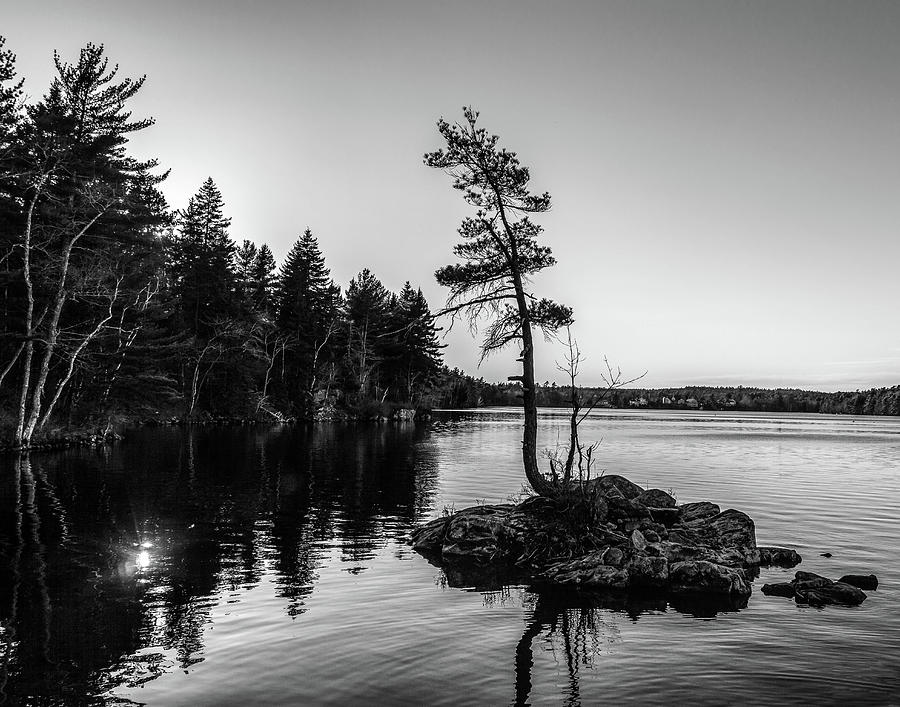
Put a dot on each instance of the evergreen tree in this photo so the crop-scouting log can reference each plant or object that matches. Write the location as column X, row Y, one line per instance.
column 244, row 255
column 307, row 312
column 499, row 253
column 262, row 281
column 85, row 237
column 202, row 260
column 413, row 351
column 366, row 308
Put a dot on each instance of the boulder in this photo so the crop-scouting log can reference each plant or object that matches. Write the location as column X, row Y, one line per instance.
column 613, row 556
column 834, row 593
column 430, row 537
column 816, row 590
column 779, row 556
column 804, row 581
column 477, row 533
column 608, row 484
column 692, row 512
column 638, row 541
column 701, row 576
column 655, row 498
column 623, row 511
column 779, row 589
column 862, row 581
column 646, row 571
column 665, row 516
column 734, row 534
column 676, row 552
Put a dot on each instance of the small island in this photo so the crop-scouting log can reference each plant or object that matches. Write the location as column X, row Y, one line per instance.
column 610, row 535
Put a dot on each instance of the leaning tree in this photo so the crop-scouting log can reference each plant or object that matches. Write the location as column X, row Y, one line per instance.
column 498, row 254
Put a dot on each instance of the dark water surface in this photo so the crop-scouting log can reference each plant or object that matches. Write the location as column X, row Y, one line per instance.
column 268, row 565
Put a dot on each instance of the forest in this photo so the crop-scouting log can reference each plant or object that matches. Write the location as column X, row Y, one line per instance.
column 116, row 307
column 876, row 401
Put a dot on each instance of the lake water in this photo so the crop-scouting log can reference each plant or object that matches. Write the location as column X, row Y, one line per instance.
column 268, row 565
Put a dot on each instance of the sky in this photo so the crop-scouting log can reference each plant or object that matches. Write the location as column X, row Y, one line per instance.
column 725, row 174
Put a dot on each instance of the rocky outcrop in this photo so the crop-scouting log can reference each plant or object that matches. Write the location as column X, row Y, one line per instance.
column 815, row 590
column 610, row 535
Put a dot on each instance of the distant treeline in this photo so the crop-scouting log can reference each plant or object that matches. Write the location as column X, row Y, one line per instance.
column 877, row 401
column 113, row 306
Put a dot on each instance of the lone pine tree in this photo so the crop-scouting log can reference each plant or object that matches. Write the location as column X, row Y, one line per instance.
column 499, row 252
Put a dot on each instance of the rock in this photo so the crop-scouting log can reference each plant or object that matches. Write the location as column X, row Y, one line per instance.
column 779, row 556
column 734, row 533
column 779, row 589
column 609, row 537
column 477, row 533
column 655, row 498
column 623, row 510
column 707, row 577
column 638, row 541
column 804, row 581
column 648, row 571
column 430, row 537
column 692, row 512
column 676, row 552
column 834, row 593
column 666, row 516
column 613, row 556
column 589, row 572
column 863, row 581
column 607, row 482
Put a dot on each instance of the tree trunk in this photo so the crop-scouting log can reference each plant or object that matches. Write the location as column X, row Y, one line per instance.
column 537, row 481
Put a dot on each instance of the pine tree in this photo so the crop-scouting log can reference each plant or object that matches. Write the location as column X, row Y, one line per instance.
column 87, row 225
column 262, row 281
column 367, row 305
column 499, row 253
column 203, row 261
column 413, row 351
column 307, row 304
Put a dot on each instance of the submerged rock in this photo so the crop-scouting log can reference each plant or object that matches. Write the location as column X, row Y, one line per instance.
column 834, row 593
column 816, row 590
column 779, row 589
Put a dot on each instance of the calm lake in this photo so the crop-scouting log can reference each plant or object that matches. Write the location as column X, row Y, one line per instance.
column 268, row 565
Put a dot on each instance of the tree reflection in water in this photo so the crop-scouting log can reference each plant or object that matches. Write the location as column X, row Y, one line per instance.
column 107, row 553
column 576, row 627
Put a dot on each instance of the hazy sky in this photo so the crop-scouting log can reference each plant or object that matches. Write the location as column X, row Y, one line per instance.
column 725, row 174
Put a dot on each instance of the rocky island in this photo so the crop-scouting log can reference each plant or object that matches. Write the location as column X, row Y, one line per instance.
column 609, row 534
